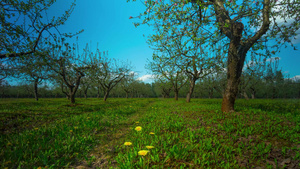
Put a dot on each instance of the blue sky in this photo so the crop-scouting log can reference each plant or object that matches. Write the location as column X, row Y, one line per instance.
column 107, row 22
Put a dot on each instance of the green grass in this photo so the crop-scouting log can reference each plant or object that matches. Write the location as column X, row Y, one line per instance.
column 52, row 133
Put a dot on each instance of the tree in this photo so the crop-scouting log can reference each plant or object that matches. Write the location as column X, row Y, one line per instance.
column 34, row 70
column 251, row 78
column 127, row 82
column 189, row 51
column 69, row 66
column 23, row 26
column 165, row 86
column 163, row 67
column 247, row 25
column 85, row 84
column 108, row 72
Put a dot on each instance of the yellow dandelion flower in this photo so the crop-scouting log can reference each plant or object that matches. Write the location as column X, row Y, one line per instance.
column 39, row 168
column 137, row 122
column 151, row 133
column 127, row 143
column 149, row 147
column 36, row 128
column 143, row 152
column 71, row 131
column 138, row 128
column 75, row 127
column 88, row 117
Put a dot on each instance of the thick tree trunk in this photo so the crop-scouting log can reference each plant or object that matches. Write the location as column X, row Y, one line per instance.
column 36, row 90
column 189, row 94
column 72, row 97
column 234, row 71
column 235, row 63
column 106, row 95
column 176, row 94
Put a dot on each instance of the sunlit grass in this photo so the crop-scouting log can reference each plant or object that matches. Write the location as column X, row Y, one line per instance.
column 149, row 133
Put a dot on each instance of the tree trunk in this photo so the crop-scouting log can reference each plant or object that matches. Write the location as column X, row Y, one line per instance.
column 72, row 97
column 106, row 95
column 234, row 70
column 210, row 93
column 253, row 94
column 126, row 95
column 245, row 95
column 176, row 94
column 36, row 90
column 98, row 92
column 189, row 94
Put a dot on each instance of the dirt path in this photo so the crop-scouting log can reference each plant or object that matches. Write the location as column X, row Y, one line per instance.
column 102, row 155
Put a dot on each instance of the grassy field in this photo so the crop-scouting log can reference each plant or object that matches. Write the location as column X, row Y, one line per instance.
column 51, row 133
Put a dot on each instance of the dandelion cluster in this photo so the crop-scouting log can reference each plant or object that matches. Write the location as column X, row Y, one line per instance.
column 141, row 152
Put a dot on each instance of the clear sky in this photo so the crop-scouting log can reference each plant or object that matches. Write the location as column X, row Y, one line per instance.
column 107, row 22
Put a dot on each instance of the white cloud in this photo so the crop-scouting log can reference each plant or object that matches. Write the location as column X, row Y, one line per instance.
column 146, row 78
column 297, row 77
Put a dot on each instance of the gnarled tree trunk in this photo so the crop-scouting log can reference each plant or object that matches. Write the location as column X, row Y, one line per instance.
column 189, row 94
column 235, row 65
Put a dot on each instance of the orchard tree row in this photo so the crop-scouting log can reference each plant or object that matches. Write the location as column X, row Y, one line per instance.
column 34, row 51
column 264, row 82
column 194, row 40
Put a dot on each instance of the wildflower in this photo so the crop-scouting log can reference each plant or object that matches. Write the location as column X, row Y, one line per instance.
column 151, row 133
column 36, row 128
column 143, row 152
column 138, row 128
column 88, row 117
column 39, row 168
column 127, row 143
column 149, row 147
column 71, row 131
column 137, row 122
column 75, row 128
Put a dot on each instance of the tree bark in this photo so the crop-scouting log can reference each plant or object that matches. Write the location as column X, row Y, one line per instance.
column 189, row 94
column 245, row 95
column 235, row 65
column 106, row 95
column 36, row 90
column 72, row 97
column 176, row 94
